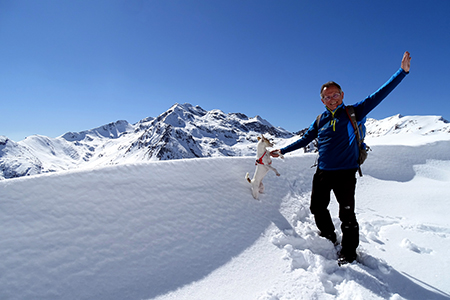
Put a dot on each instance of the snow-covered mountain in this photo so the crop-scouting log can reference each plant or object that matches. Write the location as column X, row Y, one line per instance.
column 407, row 130
column 183, row 131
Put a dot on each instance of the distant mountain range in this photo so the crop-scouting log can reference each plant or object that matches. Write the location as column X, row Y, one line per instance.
column 183, row 131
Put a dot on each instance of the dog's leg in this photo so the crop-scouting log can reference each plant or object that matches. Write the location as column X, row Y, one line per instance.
column 261, row 188
column 255, row 192
column 273, row 169
column 260, row 172
column 255, row 188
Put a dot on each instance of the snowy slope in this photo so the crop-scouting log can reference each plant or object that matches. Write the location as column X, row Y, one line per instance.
column 190, row 229
column 409, row 130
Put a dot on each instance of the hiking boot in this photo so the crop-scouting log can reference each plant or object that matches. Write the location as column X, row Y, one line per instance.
column 346, row 258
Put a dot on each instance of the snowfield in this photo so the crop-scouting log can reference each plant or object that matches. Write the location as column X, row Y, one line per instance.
column 190, row 229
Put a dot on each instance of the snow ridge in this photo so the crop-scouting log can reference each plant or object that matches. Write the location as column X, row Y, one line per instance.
column 153, row 231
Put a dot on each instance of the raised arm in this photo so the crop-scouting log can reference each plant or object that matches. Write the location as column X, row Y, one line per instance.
column 406, row 62
column 367, row 105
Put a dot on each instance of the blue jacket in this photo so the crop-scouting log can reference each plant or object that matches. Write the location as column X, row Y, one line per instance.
column 338, row 149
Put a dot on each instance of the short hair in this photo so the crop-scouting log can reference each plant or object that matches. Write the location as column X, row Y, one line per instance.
column 328, row 84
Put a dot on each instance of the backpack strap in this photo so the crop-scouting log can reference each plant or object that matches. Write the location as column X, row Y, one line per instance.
column 352, row 116
column 318, row 120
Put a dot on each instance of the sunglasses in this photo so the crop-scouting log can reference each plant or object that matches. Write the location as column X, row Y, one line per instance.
column 334, row 96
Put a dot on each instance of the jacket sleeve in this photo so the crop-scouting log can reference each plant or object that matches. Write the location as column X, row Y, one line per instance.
column 365, row 106
column 307, row 138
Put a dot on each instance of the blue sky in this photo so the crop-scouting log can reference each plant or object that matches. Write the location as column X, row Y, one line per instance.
column 75, row 65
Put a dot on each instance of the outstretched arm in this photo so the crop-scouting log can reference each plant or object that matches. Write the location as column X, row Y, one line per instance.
column 406, row 62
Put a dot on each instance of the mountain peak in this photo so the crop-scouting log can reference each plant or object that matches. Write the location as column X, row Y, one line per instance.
column 3, row 140
column 111, row 130
column 185, row 131
column 179, row 114
column 187, row 108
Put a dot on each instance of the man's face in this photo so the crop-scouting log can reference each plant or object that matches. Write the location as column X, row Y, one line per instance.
column 332, row 97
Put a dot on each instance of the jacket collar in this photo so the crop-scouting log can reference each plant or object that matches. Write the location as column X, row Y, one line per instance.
column 332, row 112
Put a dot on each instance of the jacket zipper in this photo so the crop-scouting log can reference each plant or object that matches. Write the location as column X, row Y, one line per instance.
column 333, row 120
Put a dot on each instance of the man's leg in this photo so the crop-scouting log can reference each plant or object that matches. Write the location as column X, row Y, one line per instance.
column 344, row 189
column 320, row 199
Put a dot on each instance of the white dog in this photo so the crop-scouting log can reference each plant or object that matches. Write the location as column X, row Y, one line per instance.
column 263, row 165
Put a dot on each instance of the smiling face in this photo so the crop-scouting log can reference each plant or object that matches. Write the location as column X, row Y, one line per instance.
column 332, row 97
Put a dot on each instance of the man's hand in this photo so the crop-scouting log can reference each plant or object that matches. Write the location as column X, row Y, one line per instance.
column 276, row 153
column 406, row 62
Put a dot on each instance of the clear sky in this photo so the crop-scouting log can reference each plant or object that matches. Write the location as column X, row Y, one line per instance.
column 75, row 65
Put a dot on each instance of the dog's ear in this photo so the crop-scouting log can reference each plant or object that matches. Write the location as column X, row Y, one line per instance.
column 259, row 138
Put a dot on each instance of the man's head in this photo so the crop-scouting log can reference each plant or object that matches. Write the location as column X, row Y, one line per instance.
column 331, row 95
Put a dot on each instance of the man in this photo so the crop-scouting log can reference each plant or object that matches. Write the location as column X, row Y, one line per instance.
column 337, row 162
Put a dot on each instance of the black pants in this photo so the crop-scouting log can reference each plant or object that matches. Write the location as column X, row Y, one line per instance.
column 343, row 184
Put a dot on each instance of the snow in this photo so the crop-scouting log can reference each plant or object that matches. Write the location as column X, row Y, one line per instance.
column 407, row 130
column 190, row 229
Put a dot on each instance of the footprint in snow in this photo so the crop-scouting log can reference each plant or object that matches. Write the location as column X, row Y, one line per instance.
column 407, row 244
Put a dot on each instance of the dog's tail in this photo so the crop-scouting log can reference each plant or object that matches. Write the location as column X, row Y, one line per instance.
column 247, row 176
